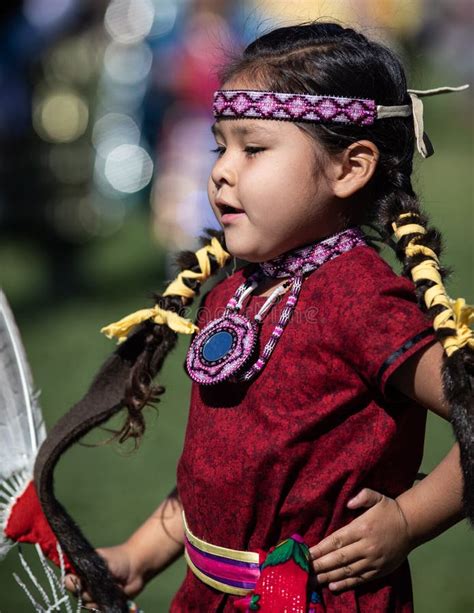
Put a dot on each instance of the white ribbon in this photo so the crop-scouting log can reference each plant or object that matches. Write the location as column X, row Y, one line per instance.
column 423, row 143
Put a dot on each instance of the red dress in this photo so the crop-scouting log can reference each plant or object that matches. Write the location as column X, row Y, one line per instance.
column 284, row 453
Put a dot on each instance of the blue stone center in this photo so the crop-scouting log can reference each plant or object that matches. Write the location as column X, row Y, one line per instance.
column 216, row 347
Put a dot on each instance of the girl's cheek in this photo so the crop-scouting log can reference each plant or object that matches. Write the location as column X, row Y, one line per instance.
column 211, row 191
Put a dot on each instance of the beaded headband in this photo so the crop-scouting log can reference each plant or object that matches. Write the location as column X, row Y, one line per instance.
column 254, row 104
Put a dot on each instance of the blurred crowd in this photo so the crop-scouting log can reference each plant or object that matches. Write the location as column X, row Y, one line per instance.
column 105, row 106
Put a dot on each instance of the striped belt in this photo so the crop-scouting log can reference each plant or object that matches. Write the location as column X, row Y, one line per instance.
column 228, row 570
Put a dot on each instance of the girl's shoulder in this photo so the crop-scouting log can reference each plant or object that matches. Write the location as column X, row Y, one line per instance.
column 364, row 259
column 362, row 271
column 370, row 313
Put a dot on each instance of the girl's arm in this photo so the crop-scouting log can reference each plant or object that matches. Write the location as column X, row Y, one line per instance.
column 155, row 545
column 378, row 541
column 159, row 541
column 434, row 504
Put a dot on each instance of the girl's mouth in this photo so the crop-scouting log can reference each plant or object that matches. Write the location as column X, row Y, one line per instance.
column 229, row 213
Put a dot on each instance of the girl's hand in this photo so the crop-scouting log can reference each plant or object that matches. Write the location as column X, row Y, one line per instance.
column 121, row 567
column 372, row 545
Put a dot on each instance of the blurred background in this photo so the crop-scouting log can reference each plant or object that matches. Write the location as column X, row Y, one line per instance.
column 104, row 157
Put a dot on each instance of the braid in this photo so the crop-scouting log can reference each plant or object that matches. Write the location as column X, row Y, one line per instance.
column 160, row 338
column 125, row 379
column 397, row 198
column 418, row 247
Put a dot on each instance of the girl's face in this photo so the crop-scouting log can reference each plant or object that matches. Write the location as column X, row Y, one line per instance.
column 266, row 170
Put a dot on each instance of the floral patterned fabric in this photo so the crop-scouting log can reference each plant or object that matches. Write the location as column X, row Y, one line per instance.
column 284, row 453
column 283, row 581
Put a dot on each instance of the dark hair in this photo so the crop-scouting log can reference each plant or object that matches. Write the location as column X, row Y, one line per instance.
column 314, row 58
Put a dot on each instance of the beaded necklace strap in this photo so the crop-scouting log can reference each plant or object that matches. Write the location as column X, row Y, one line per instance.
column 299, row 262
column 277, row 331
column 309, row 257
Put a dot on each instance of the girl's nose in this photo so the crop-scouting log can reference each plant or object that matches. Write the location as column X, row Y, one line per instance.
column 223, row 172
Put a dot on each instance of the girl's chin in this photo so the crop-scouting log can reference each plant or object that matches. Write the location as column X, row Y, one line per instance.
column 251, row 250
column 243, row 254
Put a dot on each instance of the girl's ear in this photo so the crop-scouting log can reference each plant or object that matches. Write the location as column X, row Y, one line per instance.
column 354, row 167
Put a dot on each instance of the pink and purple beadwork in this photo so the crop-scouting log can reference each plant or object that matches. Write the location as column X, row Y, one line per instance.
column 311, row 257
column 222, row 348
column 233, row 103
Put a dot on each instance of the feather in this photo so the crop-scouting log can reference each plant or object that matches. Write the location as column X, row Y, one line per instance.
column 22, row 428
column 59, row 598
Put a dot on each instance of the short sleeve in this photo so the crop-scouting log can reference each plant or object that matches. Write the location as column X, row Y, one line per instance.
column 382, row 324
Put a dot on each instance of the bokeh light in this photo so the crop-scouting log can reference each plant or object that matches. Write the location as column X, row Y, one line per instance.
column 129, row 21
column 166, row 12
column 128, row 168
column 61, row 116
column 127, row 64
column 73, row 60
column 112, row 130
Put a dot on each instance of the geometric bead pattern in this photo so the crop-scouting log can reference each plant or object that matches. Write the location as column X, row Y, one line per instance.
column 310, row 257
column 293, row 107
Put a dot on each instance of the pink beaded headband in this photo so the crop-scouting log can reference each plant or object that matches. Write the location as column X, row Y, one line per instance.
column 254, row 104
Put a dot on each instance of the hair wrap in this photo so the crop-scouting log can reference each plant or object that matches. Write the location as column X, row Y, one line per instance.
column 456, row 316
column 412, row 250
column 122, row 328
column 412, row 228
column 179, row 288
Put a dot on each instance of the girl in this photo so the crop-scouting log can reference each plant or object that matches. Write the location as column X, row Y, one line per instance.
column 314, row 364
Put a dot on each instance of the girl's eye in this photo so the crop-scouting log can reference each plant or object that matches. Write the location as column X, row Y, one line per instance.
column 251, row 151
column 218, row 150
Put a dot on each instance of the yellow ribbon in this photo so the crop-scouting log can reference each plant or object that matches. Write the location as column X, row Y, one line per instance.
column 412, row 249
column 410, row 228
column 456, row 314
column 121, row 329
column 463, row 317
column 179, row 288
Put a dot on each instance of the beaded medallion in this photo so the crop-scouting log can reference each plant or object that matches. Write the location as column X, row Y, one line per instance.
column 224, row 346
column 224, row 350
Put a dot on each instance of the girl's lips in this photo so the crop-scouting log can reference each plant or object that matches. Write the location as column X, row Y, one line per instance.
column 230, row 217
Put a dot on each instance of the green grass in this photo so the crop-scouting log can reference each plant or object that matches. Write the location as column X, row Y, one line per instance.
column 110, row 494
